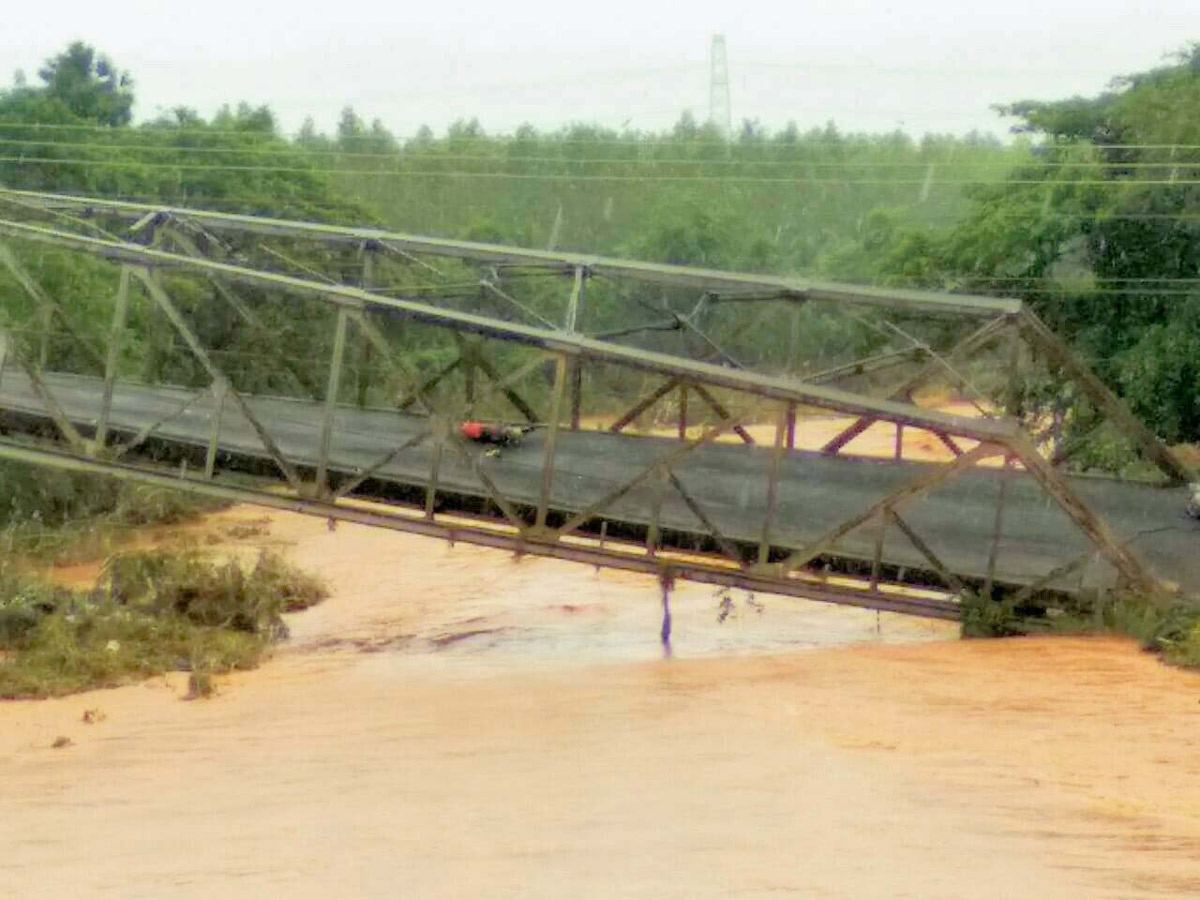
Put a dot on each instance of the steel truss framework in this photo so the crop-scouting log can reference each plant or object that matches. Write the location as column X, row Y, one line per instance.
column 541, row 522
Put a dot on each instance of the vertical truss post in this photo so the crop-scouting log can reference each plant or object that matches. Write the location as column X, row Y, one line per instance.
column 112, row 362
column 3, row 354
column 365, row 349
column 1014, row 367
column 683, row 411
column 434, row 467
column 560, row 386
column 764, row 544
column 220, row 387
column 47, row 325
column 791, row 426
column 880, row 536
column 469, row 377
column 654, row 531
column 575, row 310
column 898, row 454
column 998, row 527
column 332, row 390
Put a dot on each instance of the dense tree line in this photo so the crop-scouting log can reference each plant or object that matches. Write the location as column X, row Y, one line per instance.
column 1091, row 217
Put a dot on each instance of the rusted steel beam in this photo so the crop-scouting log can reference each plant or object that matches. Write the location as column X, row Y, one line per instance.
column 728, row 547
column 997, row 527
column 219, row 389
column 950, row 443
column 417, row 391
column 370, row 471
column 493, row 492
column 973, row 343
column 1093, row 527
column 1104, row 399
column 428, row 384
column 245, row 313
column 551, row 442
column 644, row 404
column 503, row 295
column 764, row 544
column 719, row 408
column 11, row 349
column 665, row 463
column 145, row 434
column 513, row 377
column 1066, row 569
column 112, row 361
column 867, row 366
column 913, row 489
column 575, row 311
column 712, row 375
column 50, row 308
column 880, row 537
column 435, row 466
column 522, row 406
column 692, row 568
column 331, row 399
column 710, row 280
column 189, row 337
column 925, row 550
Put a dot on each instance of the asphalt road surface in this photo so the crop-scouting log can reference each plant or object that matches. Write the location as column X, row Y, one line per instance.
column 729, row 481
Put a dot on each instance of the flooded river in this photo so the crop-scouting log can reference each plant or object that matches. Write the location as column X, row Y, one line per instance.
column 452, row 723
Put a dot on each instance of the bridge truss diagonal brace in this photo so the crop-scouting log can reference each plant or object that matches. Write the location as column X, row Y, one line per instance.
column 972, row 343
column 472, row 356
column 787, row 389
column 1108, row 402
column 48, row 304
column 418, row 393
column 662, row 465
column 696, row 571
column 906, row 492
column 1086, row 520
column 156, row 292
column 239, row 306
column 9, row 347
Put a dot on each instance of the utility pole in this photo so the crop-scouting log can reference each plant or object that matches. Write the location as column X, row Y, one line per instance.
column 720, row 112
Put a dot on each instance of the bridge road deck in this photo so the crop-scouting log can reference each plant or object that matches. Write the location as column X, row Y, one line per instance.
column 729, row 480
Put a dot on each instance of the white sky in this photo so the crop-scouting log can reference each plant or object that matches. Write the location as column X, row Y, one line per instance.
column 925, row 65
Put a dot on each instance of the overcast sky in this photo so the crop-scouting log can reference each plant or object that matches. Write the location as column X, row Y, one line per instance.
column 924, row 65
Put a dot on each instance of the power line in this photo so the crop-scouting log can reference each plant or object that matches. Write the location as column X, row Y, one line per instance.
column 547, row 176
column 777, row 137
column 400, row 155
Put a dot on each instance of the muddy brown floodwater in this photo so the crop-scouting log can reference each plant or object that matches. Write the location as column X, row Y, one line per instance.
column 452, row 723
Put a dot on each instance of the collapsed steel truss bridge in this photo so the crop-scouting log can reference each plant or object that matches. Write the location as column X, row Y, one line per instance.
column 370, row 346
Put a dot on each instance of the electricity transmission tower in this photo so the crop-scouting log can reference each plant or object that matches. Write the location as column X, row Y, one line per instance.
column 720, row 113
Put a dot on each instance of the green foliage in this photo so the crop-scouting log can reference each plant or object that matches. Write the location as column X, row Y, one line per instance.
column 152, row 612
column 55, row 516
column 989, row 617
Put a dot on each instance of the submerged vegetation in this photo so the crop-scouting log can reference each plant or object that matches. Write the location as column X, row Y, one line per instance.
column 1167, row 626
column 151, row 612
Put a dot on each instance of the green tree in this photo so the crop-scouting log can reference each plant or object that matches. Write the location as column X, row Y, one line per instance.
column 90, row 86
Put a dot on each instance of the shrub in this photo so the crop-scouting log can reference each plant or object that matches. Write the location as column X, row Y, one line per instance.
column 153, row 611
